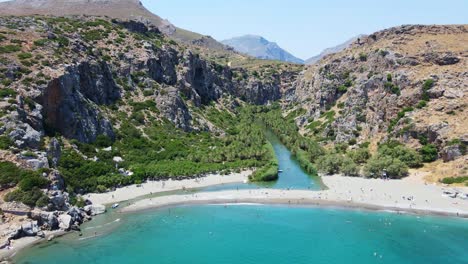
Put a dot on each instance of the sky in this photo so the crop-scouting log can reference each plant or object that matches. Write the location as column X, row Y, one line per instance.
column 305, row 27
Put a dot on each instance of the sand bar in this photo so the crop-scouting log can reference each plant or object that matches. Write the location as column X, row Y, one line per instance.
column 396, row 195
column 152, row 187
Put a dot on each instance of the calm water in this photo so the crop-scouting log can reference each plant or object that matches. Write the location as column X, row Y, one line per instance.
column 265, row 234
column 260, row 234
column 292, row 177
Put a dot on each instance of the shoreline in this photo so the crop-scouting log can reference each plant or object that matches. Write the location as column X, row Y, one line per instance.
column 341, row 192
column 27, row 242
column 128, row 193
column 375, row 194
column 296, row 203
column 154, row 187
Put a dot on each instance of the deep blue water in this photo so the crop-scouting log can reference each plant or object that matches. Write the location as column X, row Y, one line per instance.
column 265, row 234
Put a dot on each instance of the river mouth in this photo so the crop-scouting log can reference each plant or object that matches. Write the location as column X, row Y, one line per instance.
column 252, row 233
column 291, row 175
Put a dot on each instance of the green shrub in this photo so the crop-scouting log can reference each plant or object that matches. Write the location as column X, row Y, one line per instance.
column 342, row 89
column 103, row 141
column 24, row 55
column 389, row 77
column 362, row 56
column 93, row 35
column 359, row 156
column 5, row 142
column 41, row 42
column 395, row 168
column 421, row 104
column 397, row 151
column 32, row 198
column 452, row 180
column 429, row 153
column 9, row 48
column 7, row 93
column 334, row 163
column 28, row 183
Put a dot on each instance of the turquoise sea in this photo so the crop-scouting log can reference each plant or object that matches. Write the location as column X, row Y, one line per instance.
column 217, row 234
column 265, row 234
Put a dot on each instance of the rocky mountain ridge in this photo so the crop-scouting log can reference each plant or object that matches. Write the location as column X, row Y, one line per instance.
column 406, row 83
column 332, row 50
column 261, row 48
column 84, row 88
column 118, row 9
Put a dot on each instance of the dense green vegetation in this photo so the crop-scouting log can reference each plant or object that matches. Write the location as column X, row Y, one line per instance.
column 305, row 149
column 452, row 180
column 29, row 185
column 269, row 172
column 393, row 157
column 159, row 150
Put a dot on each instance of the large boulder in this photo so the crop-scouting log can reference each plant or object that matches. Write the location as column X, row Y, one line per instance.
column 95, row 209
column 65, row 222
column 30, row 228
column 47, row 220
column 59, row 201
column 452, row 152
column 23, row 135
column 77, row 215
column 35, row 162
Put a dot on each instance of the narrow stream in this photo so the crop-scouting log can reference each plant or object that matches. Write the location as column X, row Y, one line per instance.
column 292, row 176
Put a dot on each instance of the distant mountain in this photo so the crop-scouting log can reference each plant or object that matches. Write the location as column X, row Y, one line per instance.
column 261, row 48
column 119, row 9
column 332, row 50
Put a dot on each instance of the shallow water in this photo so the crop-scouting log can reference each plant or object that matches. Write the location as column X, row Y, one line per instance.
column 259, row 234
column 265, row 234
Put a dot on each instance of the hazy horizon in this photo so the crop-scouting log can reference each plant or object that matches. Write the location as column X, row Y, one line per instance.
column 303, row 28
column 327, row 24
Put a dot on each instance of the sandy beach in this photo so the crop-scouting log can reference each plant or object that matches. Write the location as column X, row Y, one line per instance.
column 152, row 187
column 396, row 195
column 25, row 242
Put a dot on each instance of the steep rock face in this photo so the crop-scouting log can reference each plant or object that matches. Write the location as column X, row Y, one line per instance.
column 131, row 61
column 162, row 69
column 201, row 81
column 96, row 82
column 377, row 89
column 174, row 108
column 68, row 102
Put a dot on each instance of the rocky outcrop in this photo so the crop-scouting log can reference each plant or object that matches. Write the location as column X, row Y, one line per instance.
column 69, row 102
column 174, row 108
column 58, row 200
column 95, row 209
column 65, row 221
column 162, row 69
column 54, row 152
column 46, row 220
column 373, row 90
column 56, row 182
column 96, row 82
column 201, row 81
